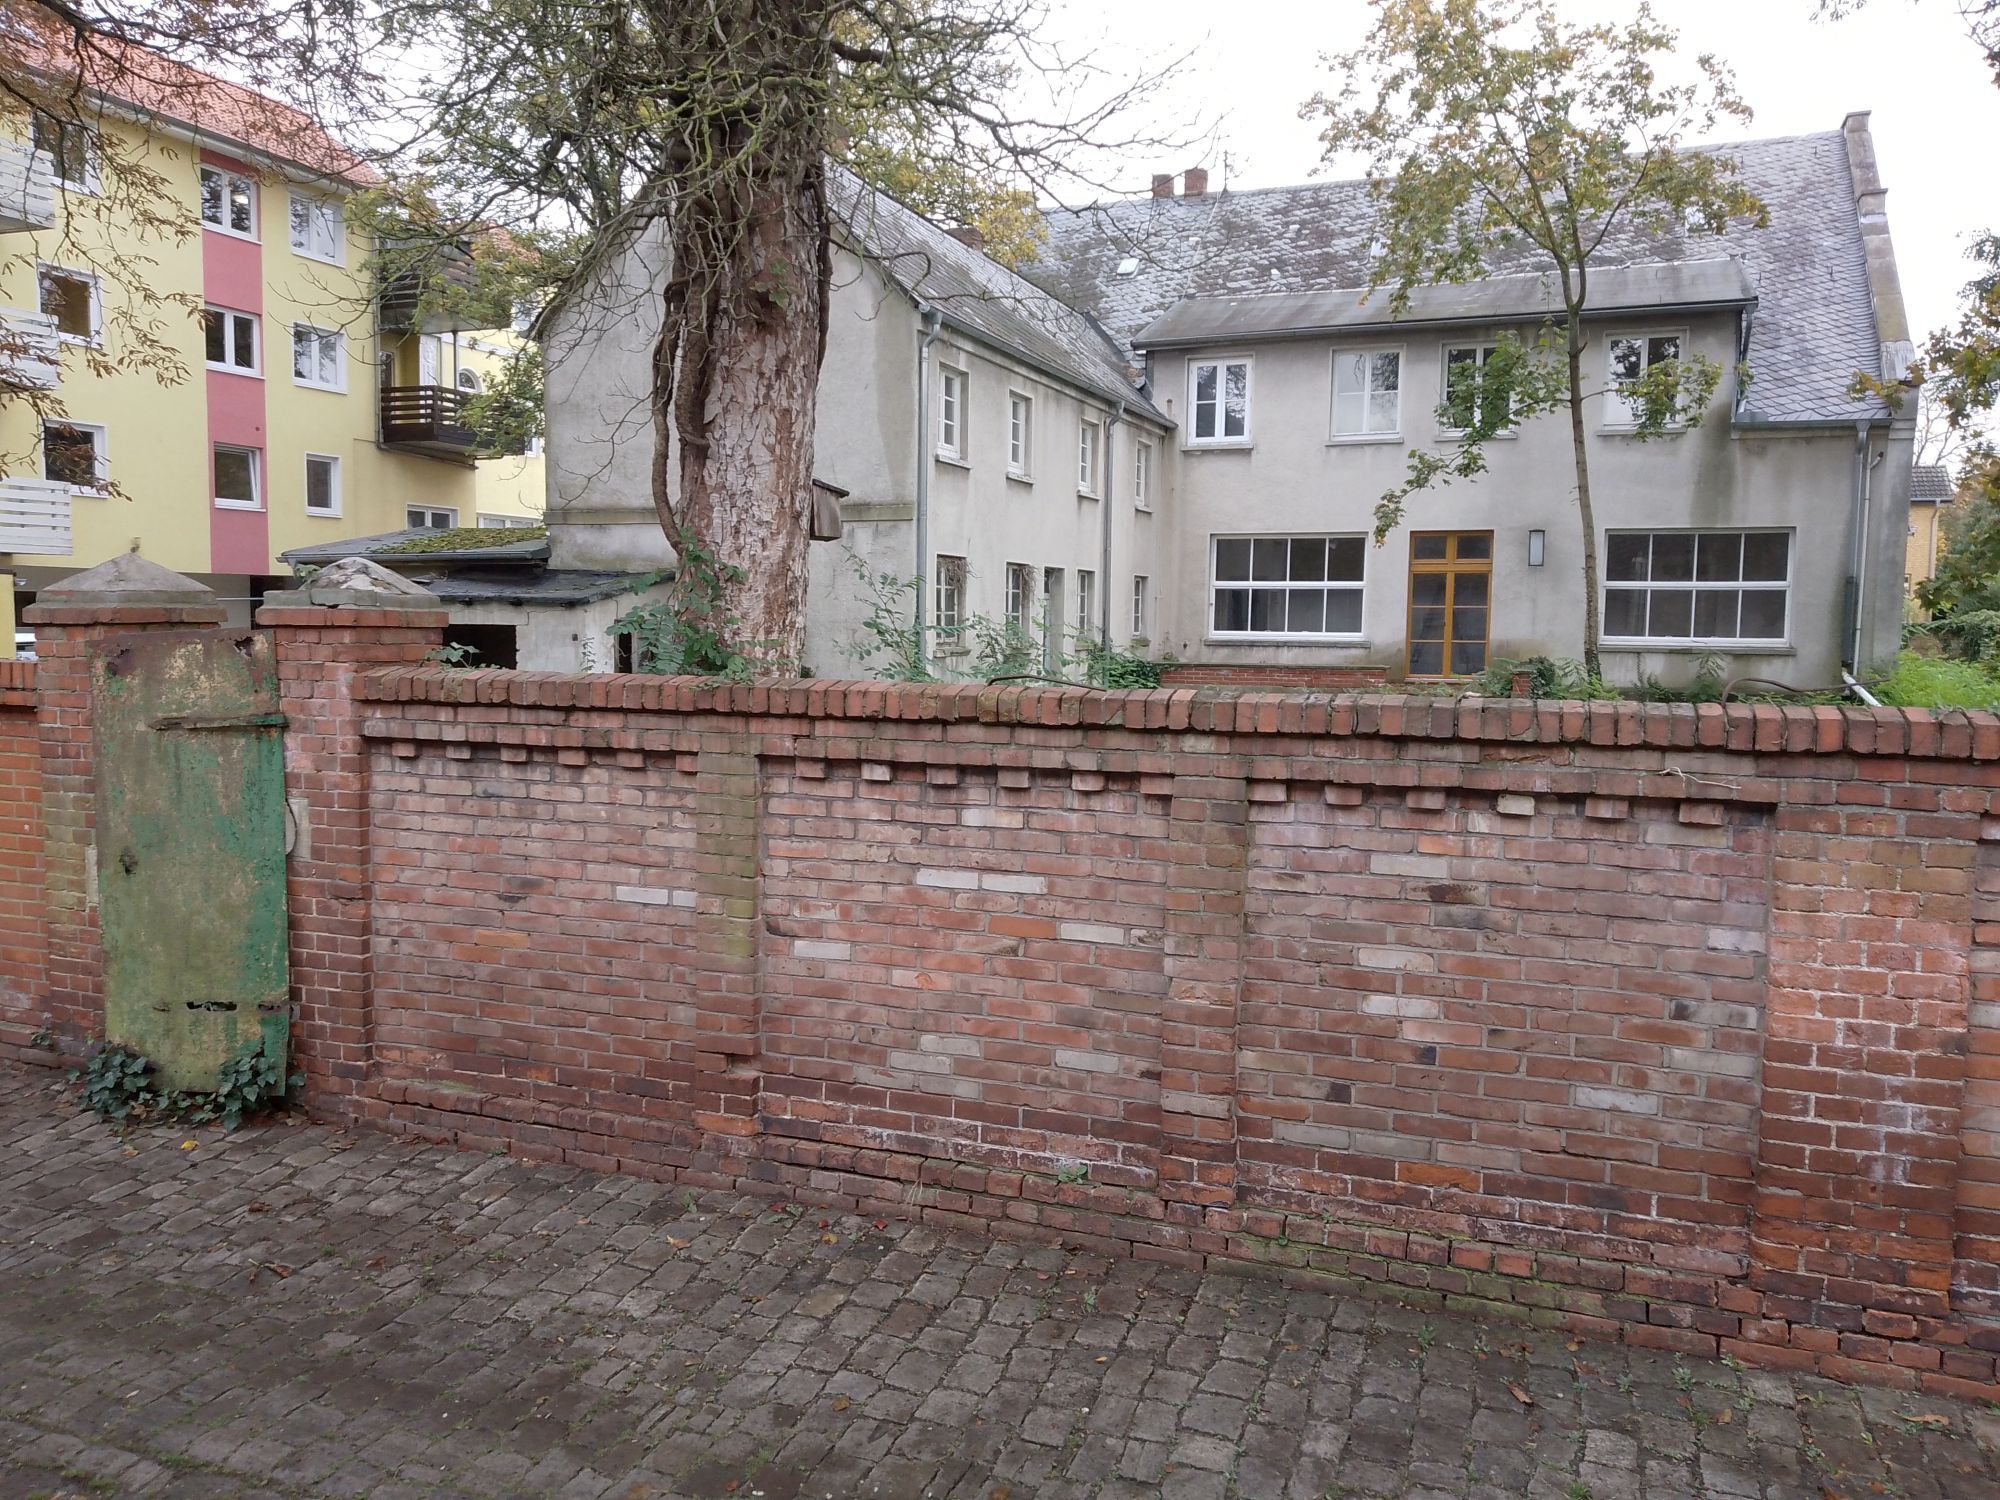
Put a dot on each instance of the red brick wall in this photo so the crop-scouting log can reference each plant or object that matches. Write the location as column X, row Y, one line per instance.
column 21, row 936
column 1664, row 1023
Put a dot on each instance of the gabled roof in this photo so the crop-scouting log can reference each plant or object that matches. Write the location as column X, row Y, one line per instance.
column 980, row 298
column 1813, row 328
column 1681, row 286
column 1929, row 484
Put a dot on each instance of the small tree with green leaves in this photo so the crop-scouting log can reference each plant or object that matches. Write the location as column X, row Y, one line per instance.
column 1490, row 125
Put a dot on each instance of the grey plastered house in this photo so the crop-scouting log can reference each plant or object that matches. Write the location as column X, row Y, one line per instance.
column 1174, row 430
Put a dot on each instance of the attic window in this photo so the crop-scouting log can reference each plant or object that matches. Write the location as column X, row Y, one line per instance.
column 1129, row 266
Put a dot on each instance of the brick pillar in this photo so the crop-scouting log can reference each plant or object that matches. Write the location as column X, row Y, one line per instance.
column 728, row 848
column 1205, row 898
column 75, row 622
column 1863, row 1075
column 321, row 650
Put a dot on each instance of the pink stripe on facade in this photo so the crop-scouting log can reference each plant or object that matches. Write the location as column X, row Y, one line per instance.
column 232, row 276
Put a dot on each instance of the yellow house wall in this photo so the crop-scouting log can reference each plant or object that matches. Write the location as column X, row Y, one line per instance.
column 157, row 431
column 1925, row 546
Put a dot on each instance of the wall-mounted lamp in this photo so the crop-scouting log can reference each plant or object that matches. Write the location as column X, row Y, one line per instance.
column 1538, row 542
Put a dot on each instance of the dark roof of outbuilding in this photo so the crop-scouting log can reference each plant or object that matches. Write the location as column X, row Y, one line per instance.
column 981, row 298
column 392, row 548
column 1813, row 328
column 1930, row 482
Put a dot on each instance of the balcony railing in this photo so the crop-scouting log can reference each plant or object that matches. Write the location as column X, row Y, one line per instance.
column 27, row 189
column 35, row 517
column 427, row 419
column 30, row 351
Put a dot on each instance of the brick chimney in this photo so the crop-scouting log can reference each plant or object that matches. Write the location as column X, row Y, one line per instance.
column 1195, row 183
column 965, row 234
column 1163, row 184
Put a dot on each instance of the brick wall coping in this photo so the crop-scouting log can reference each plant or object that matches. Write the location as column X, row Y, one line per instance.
column 1754, row 728
column 113, row 615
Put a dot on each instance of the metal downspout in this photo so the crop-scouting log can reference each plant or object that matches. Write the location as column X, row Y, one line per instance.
column 1104, row 556
column 1857, row 526
column 933, row 326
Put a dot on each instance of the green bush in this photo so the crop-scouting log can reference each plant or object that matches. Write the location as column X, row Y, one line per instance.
column 1938, row 682
column 1548, row 677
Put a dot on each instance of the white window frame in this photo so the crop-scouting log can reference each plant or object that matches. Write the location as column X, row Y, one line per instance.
column 1619, row 415
column 95, row 338
column 1368, row 354
column 326, row 458
column 100, row 451
column 430, row 510
column 1020, row 435
column 256, row 502
column 1483, row 351
column 1142, row 475
column 1019, row 600
column 1220, row 364
column 951, row 414
column 1141, row 589
column 227, row 366
column 228, row 178
column 948, row 581
column 1738, row 585
column 1358, row 586
column 317, row 334
column 90, row 182
column 488, row 521
column 1089, row 456
column 326, row 214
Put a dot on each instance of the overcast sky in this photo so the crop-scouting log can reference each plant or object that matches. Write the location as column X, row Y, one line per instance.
column 1936, row 110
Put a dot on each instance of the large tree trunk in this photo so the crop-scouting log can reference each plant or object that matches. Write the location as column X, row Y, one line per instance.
column 1586, row 517
column 736, row 368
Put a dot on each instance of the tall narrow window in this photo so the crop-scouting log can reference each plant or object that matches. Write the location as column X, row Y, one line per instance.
column 238, row 485
column 1630, row 356
column 1140, row 587
column 1466, row 396
column 322, row 484
column 950, row 610
column 70, row 298
column 319, row 229
column 319, row 357
column 1089, row 436
column 1020, row 595
column 1142, row 475
column 1451, row 589
column 1219, row 401
column 230, row 340
column 71, row 147
column 1020, row 434
column 229, row 202
column 1367, row 393
column 1086, row 602
column 951, row 413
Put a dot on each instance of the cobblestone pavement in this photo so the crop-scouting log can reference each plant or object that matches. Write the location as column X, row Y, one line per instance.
column 295, row 1311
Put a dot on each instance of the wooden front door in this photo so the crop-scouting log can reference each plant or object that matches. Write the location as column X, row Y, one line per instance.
column 1451, row 587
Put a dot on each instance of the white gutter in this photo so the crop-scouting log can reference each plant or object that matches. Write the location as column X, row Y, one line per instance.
column 1857, row 545
column 933, row 326
column 1847, row 681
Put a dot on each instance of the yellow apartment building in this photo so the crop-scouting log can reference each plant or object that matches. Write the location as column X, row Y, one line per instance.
column 311, row 408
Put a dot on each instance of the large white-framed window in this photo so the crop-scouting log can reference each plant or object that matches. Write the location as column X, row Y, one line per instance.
column 319, row 357
column 1628, row 356
column 1367, row 393
column 490, row 522
column 1218, row 402
column 75, row 454
column 319, row 229
column 1086, row 602
column 1141, row 601
column 71, row 147
column 948, row 610
column 1286, row 586
column 431, row 517
column 1142, row 475
column 322, row 484
column 1697, row 587
column 1020, row 435
column 239, row 479
column 1466, row 398
column 230, row 340
column 229, row 202
column 73, row 300
column 951, row 414
column 1089, row 455
column 1020, row 595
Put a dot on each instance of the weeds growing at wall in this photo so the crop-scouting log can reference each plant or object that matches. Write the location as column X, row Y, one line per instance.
column 691, row 633
column 119, row 1087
